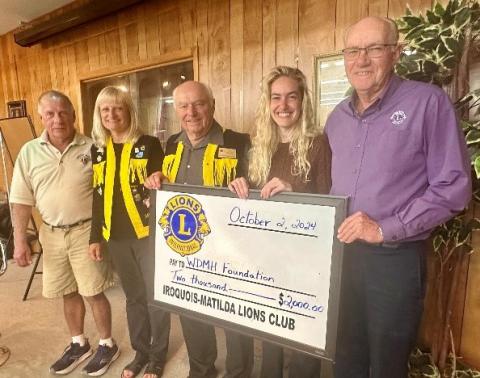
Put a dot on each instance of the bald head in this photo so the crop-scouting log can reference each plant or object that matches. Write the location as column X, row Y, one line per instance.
column 194, row 86
column 387, row 29
column 195, row 106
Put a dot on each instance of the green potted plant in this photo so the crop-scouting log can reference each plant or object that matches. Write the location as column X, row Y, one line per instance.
column 438, row 50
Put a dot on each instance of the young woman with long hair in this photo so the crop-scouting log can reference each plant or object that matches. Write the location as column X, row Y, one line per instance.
column 289, row 153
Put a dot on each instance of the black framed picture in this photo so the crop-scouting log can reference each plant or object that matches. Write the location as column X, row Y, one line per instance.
column 16, row 109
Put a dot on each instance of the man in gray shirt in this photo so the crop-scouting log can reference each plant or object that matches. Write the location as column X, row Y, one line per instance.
column 193, row 157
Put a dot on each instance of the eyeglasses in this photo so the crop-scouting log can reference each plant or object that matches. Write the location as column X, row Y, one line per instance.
column 374, row 51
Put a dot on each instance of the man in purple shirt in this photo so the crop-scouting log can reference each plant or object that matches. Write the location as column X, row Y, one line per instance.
column 400, row 157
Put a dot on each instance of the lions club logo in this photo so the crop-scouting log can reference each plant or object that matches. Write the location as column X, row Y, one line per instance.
column 184, row 224
column 398, row 117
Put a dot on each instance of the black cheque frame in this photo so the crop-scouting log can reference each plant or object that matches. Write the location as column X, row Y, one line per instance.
column 340, row 205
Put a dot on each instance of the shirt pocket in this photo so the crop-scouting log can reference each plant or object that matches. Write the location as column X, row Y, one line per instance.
column 399, row 147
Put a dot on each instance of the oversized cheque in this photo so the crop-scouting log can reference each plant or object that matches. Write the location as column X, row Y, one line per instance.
column 267, row 268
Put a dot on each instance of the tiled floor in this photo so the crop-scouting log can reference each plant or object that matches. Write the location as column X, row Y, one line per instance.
column 36, row 333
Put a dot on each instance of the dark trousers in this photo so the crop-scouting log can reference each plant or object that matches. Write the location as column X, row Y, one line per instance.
column 239, row 362
column 380, row 309
column 148, row 326
column 202, row 350
column 301, row 365
column 201, row 347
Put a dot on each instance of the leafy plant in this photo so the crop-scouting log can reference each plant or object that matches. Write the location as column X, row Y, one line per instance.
column 420, row 366
column 438, row 48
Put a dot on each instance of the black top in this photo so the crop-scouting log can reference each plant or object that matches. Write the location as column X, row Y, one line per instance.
column 121, row 226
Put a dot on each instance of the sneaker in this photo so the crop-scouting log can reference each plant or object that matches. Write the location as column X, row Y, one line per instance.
column 102, row 360
column 72, row 356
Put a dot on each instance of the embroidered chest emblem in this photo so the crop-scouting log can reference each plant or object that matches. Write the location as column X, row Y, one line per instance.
column 398, row 117
column 84, row 158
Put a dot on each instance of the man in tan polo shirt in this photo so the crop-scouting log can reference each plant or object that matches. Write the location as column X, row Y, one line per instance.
column 54, row 173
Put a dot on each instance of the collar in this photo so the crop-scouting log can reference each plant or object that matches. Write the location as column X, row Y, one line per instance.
column 78, row 139
column 214, row 136
column 387, row 93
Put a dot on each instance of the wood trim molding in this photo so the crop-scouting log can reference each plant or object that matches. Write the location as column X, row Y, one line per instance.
column 168, row 58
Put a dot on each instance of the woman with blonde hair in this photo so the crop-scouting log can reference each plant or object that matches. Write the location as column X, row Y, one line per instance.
column 122, row 157
column 288, row 153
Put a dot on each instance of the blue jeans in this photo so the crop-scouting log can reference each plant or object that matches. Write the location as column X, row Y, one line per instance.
column 380, row 309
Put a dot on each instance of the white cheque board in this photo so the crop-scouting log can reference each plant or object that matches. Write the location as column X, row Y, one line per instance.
column 265, row 268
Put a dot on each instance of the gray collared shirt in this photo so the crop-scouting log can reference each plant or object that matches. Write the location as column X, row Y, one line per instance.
column 191, row 165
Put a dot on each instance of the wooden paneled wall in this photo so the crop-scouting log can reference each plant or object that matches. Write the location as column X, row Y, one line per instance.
column 233, row 44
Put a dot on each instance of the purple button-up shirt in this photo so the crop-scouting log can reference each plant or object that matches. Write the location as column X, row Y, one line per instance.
column 403, row 161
